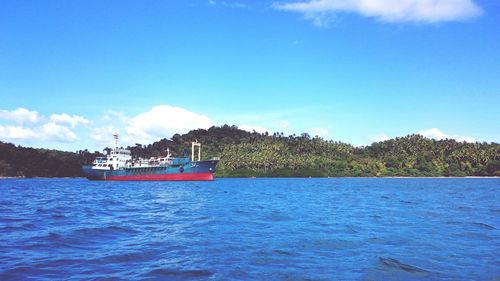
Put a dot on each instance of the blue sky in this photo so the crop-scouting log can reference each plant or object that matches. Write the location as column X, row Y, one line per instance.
column 71, row 72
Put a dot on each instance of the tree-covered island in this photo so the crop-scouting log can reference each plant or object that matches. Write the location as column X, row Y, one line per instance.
column 246, row 154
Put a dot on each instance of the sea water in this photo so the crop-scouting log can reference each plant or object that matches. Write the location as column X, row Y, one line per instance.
column 251, row 229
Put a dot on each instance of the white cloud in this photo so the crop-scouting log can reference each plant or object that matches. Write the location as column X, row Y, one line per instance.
column 54, row 132
column 249, row 128
column 104, row 135
column 379, row 138
column 114, row 116
column 320, row 132
column 46, row 132
column 163, row 121
column 69, row 120
column 435, row 133
column 421, row 11
column 10, row 133
column 29, row 128
column 212, row 3
column 20, row 115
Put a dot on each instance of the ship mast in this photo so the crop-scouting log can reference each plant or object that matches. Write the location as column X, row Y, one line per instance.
column 193, row 145
column 115, row 135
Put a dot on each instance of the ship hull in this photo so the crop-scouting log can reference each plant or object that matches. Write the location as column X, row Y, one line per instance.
column 165, row 177
column 193, row 171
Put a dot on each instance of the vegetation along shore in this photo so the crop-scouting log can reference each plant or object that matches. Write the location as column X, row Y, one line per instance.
column 245, row 154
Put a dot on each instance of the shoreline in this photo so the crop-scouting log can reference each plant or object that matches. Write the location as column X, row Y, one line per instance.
column 466, row 177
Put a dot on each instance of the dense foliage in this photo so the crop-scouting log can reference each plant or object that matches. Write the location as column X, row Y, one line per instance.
column 412, row 155
column 252, row 154
column 17, row 161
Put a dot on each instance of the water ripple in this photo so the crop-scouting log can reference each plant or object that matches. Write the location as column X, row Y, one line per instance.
column 250, row 229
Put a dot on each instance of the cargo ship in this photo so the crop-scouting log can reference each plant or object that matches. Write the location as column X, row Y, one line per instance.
column 119, row 165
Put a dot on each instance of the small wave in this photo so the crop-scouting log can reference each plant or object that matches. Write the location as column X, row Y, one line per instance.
column 76, row 239
column 283, row 253
column 278, row 216
column 55, row 213
column 49, row 241
column 125, row 257
column 484, row 225
column 351, row 229
column 110, row 202
column 10, row 220
column 53, row 236
column 180, row 274
column 329, row 244
column 203, row 220
column 58, row 216
column 24, row 273
column 6, row 202
column 103, row 231
column 386, row 240
column 394, row 264
column 41, row 211
column 58, row 263
column 11, row 228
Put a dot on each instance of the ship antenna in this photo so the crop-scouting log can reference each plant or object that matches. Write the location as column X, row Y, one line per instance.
column 115, row 135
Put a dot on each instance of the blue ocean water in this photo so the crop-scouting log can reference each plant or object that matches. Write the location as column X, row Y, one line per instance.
column 250, row 229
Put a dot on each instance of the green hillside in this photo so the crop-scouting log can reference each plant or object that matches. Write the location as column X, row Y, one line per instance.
column 245, row 154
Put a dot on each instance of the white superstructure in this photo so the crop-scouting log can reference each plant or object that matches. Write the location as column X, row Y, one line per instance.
column 117, row 158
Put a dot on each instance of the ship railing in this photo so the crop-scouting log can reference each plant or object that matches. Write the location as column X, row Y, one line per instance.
column 146, row 166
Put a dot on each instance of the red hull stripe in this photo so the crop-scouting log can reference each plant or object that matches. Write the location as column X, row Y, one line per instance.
column 165, row 177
